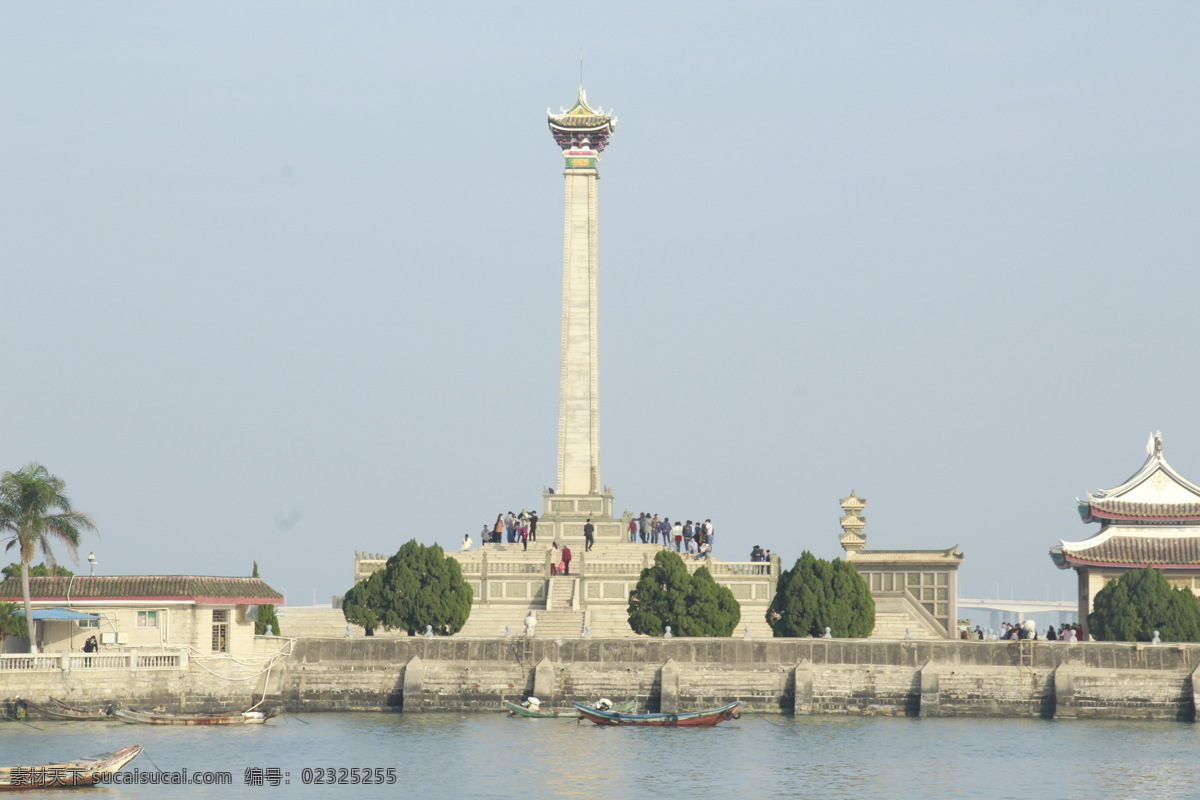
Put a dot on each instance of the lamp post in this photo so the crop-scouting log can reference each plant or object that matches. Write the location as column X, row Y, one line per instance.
column 92, row 564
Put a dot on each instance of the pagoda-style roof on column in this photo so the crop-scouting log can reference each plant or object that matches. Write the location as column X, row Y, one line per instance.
column 1152, row 519
column 581, row 125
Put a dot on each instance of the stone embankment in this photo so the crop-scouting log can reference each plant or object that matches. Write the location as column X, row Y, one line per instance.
column 802, row 676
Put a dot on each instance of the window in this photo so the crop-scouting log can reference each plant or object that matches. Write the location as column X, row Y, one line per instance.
column 220, row 630
column 89, row 623
column 147, row 619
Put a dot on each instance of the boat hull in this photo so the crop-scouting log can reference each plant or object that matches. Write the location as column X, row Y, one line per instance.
column 517, row 710
column 57, row 709
column 136, row 717
column 65, row 774
column 690, row 719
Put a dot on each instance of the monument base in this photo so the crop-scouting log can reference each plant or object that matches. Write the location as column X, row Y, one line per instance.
column 564, row 516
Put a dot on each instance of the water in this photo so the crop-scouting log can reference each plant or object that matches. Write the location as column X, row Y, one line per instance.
column 760, row 756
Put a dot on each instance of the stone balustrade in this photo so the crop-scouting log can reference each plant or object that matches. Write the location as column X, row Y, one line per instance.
column 128, row 659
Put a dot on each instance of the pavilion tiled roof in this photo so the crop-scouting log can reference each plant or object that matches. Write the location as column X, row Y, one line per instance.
column 1131, row 510
column 1135, row 551
column 194, row 588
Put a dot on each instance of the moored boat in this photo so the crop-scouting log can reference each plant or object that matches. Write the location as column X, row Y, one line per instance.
column 688, row 719
column 137, row 717
column 57, row 709
column 518, row 710
column 85, row 771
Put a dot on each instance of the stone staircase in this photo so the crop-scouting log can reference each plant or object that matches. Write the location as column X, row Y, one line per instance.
column 893, row 620
column 560, row 619
column 313, row 622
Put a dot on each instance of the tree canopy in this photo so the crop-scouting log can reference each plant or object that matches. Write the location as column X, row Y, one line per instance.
column 693, row 605
column 38, row 570
column 419, row 586
column 816, row 594
column 1140, row 602
column 35, row 512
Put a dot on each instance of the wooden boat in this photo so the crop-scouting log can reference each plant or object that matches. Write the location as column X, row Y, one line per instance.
column 517, row 710
column 86, row 771
column 57, row 709
column 136, row 717
column 688, row 719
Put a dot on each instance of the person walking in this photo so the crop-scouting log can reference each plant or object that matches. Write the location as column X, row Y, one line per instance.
column 566, row 560
column 589, row 531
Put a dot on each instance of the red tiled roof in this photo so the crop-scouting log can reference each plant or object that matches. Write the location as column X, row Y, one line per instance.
column 196, row 588
column 1137, row 551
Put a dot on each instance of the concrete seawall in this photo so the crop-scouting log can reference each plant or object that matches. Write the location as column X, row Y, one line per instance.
column 802, row 676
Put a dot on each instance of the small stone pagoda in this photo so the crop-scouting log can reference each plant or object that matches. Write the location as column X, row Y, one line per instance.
column 1150, row 520
column 915, row 591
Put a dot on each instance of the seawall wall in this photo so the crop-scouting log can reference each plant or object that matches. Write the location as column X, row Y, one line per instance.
column 802, row 676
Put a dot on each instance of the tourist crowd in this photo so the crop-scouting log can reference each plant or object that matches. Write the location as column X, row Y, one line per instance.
column 692, row 539
column 1068, row 632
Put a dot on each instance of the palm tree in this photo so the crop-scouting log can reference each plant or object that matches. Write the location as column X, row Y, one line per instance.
column 34, row 512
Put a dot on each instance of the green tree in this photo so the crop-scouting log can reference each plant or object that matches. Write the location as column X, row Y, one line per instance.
column 419, row 586
column 11, row 623
column 693, row 605
column 1140, row 602
column 38, row 570
column 34, row 513
column 266, row 614
column 816, row 594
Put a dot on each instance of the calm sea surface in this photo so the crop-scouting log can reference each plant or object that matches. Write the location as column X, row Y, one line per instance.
column 495, row 757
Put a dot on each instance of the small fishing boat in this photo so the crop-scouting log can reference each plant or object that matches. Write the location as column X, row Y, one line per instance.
column 136, row 717
column 518, row 710
column 57, row 709
column 687, row 719
column 86, row 771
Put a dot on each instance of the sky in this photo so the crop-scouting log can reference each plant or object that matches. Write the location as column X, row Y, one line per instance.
column 282, row 281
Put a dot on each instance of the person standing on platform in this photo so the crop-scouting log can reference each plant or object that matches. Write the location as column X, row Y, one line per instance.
column 633, row 529
column 644, row 532
column 498, row 529
column 533, row 520
column 678, row 532
column 589, row 531
column 566, row 560
column 654, row 530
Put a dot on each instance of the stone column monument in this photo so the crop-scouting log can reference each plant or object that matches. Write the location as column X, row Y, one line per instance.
column 582, row 133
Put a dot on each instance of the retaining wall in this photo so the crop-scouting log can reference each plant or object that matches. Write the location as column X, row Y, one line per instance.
column 802, row 676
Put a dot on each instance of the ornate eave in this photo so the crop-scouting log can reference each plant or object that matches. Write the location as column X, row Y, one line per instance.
column 1130, row 546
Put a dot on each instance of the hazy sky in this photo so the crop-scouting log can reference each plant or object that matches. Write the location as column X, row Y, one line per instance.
column 282, row 281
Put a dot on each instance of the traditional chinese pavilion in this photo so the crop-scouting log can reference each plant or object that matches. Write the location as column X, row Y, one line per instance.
column 1152, row 519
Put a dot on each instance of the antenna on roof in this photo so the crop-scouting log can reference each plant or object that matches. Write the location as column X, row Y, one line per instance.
column 581, row 69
